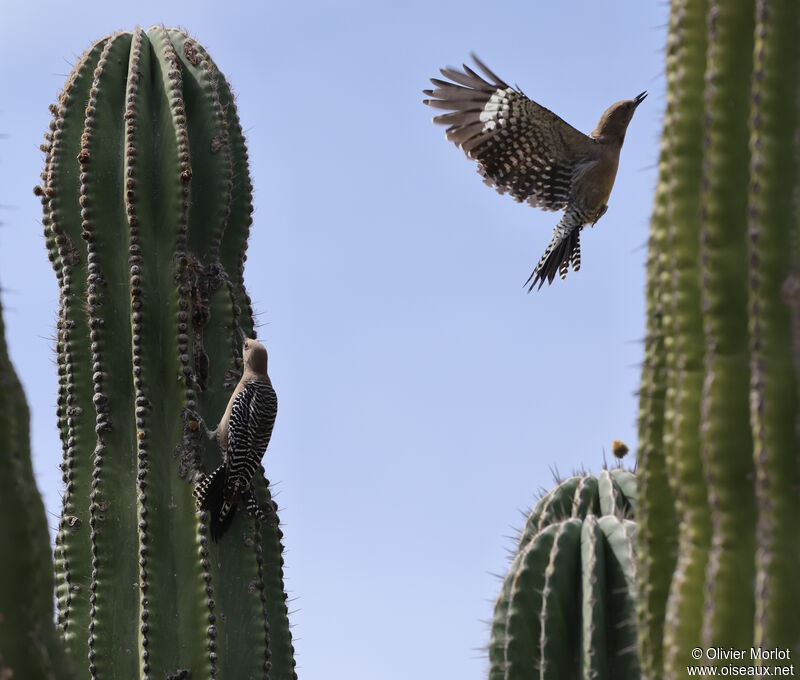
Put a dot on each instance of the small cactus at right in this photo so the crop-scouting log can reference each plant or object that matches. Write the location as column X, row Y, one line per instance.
column 567, row 605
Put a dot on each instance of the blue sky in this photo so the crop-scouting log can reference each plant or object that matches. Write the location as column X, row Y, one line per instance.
column 424, row 396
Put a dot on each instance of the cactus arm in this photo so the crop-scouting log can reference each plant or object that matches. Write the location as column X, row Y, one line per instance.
column 726, row 439
column 772, row 265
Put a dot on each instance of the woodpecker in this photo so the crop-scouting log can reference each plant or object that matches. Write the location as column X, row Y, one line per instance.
column 529, row 152
column 243, row 434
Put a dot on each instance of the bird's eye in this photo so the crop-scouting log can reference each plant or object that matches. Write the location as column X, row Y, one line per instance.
column 246, row 345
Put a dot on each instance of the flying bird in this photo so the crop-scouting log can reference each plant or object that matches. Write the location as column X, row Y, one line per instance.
column 526, row 150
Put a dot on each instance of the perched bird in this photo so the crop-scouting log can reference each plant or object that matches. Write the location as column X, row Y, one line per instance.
column 243, row 434
column 529, row 152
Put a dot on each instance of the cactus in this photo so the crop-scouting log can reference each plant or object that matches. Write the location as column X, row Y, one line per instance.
column 147, row 210
column 726, row 333
column 671, row 477
column 566, row 607
column 774, row 321
column 29, row 644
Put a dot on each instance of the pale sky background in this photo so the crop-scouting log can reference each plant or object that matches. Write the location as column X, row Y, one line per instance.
column 424, row 396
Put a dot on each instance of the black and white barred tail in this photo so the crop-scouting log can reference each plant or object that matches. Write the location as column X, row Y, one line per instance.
column 210, row 495
column 563, row 250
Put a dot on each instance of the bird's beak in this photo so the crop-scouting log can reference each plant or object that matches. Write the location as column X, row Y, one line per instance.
column 639, row 98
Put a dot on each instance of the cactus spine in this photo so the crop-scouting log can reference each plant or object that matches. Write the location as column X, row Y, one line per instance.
column 147, row 210
column 566, row 607
column 728, row 186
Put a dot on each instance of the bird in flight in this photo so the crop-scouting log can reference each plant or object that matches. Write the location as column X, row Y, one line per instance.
column 526, row 150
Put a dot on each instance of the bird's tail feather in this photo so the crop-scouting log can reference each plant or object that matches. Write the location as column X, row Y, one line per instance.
column 210, row 495
column 563, row 250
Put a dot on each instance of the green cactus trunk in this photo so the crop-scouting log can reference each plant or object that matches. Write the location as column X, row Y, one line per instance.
column 29, row 643
column 728, row 183
column 726, row 441
column 774, row 313
column 566, row 606
column 147, row 204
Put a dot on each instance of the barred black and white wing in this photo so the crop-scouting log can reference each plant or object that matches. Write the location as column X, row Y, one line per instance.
column 249, row 431
column 521, row 147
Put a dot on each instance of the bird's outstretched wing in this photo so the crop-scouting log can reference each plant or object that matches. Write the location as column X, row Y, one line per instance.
column 521, row 147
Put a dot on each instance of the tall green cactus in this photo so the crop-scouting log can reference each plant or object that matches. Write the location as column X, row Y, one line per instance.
column 774, row 320
column 566, row 607
column 728, row 184
column 29, row 644
column 147, row 210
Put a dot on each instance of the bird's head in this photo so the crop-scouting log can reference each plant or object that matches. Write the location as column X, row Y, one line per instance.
column 254, row 355
column 615, row 119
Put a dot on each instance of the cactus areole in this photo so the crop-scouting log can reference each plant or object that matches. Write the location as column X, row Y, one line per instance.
column 147, row 211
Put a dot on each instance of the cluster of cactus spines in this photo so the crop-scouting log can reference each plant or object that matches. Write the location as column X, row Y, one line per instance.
column 147, row 209
column 30, row 646
column 773, row 306
column 726, row 219
column 566, row 608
